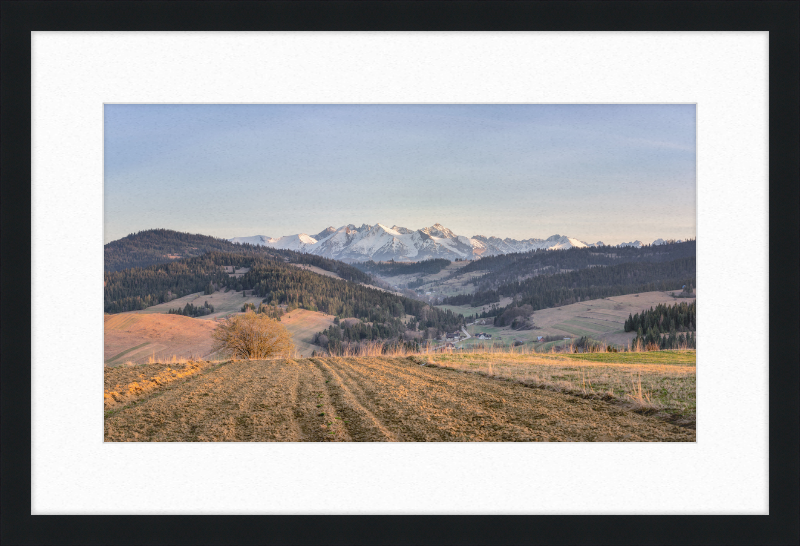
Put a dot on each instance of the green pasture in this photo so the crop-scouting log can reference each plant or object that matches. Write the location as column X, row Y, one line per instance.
column 675, row 358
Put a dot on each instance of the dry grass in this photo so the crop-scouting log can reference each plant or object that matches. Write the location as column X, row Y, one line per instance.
column 124, row 385
column 225, row 303
column 138, row 338
column 302, row 325
column 657, row 382
column 662, row 383
column 317, row 270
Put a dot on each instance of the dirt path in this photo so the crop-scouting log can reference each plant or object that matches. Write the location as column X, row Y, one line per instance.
column 366, row 399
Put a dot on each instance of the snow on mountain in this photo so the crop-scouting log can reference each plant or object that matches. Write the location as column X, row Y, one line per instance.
column 259, row 240
column 325, row 233
column 381, row 243
column 288, row 242
column 490, row 246
column 293, row 242
column 637, row 243
column 659, row 242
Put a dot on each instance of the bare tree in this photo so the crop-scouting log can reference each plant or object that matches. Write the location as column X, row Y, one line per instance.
column 252, row 336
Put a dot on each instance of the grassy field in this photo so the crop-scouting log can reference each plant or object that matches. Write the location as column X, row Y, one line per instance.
column 302, row 325
column 379, row 399
column 137, row 338
column 225, row 303
column 140, row 336
column 593, row 325
column 317, row 270
column 468, row 311
column 574, row 330
column 125, row 352
column 661, row 382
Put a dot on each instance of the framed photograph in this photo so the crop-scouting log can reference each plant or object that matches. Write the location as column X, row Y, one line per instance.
column 368, row 284
column 372, row 332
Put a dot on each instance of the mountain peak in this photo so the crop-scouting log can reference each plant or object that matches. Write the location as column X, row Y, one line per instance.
column 438, row 230
column 379, row 242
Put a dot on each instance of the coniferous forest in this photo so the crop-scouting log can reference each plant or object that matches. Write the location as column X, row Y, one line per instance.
column 392, row 268
column 585, row 284
column 190, row 310
column 158, row 246
column 667, row 326
column 278, row 283
column 508, row 267
column 559, row 278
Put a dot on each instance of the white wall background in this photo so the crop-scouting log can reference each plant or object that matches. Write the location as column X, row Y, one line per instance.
column 75, row 472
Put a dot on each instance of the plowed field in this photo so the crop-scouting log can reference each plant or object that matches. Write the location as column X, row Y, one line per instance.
column 355, row 399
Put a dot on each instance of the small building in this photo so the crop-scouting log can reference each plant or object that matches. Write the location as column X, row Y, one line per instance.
column 539, row 338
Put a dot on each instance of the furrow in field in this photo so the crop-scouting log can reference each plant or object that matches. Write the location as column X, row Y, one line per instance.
column 315, row 408
column 240, row 401
column 428, row 405
column 352, row 404
column 473, row 408
column 364, row 399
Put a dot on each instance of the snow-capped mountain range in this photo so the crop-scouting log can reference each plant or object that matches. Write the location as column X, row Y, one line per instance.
column 380, row 243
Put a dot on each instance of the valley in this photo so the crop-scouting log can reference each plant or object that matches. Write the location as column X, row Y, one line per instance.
column 602, row 319
column 376, row 357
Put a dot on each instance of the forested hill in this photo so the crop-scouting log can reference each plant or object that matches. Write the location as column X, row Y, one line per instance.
column 278, row 283
column 159, row 246
column 507, row 268
column 392, row 268
column 545, row 291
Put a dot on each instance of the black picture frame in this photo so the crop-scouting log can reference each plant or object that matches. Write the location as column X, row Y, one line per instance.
column 781, row 19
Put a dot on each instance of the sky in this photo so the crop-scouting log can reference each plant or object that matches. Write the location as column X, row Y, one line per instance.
column 611, row 173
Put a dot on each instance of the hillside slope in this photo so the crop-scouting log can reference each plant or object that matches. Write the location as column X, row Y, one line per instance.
column 355, row 400
column 130, row 337
column 163, row 246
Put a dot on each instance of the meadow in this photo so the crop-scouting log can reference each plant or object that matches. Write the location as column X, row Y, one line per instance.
column 225, row 303
column 302, row 325
column 661, row 383
column 138, row 338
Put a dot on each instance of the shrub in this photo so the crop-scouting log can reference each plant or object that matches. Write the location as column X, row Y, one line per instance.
column 251, row 336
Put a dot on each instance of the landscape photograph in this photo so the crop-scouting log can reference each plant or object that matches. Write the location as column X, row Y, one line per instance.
column 400, row 273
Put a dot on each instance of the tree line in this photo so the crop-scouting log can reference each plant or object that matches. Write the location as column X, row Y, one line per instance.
column 272, row 311
column 556, row 290
column 190, row 310
column 159, row 246
column 664, row 318
column 426, row 323
column 155, row 246
column 391, row 268
column 278, row 284
column 505, row 268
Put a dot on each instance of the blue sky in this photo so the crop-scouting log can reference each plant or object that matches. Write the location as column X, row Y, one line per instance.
column 595, row 172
